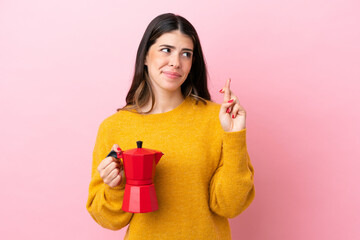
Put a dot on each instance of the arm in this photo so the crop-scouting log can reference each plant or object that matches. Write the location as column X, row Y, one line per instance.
column 232, row 186
column 104, row 203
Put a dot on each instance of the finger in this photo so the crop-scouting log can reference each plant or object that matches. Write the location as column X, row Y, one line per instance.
column 235, row 110
column 223, row 89
column 229, row 110
column 227, row 92
column 105, row 162
column 106, row 171
column 112, row 175
column 122, row 174
column 225, row 106
column 115, row 182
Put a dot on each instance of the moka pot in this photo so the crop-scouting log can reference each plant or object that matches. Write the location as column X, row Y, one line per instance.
column 139, row 166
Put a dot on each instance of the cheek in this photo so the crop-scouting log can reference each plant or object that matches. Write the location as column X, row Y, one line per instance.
column 188, row 66
column 157, row 59
column 152, row 59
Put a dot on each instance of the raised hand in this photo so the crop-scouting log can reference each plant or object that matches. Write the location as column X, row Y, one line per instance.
column 232, row 115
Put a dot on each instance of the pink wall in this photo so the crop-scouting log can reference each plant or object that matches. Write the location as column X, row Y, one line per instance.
column 295, row 65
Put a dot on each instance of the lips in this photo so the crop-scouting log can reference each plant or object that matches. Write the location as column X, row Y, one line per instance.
column 172, row 74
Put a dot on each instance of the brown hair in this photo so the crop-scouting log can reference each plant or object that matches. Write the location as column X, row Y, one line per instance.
column 195, row 84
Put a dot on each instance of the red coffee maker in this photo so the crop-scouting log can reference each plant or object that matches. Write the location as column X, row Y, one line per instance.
column 139, row 166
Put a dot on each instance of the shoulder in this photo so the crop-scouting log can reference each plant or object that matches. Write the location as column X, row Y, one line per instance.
column 205, row 117
column 116, row 119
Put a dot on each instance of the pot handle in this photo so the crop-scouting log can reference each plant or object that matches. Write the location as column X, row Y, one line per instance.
column 115, row 154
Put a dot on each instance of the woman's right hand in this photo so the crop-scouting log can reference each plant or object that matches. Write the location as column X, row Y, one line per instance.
column 111, row 169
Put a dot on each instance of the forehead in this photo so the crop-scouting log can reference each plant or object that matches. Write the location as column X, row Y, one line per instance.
column 175, row 38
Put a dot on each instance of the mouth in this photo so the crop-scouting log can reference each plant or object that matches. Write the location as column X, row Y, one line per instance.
column 171, row 75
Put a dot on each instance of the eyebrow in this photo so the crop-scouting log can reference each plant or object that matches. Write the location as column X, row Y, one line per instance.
column 172, row 47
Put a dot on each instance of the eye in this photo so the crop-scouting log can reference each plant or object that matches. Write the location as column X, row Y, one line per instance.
column 165, row 49
column 187, row 54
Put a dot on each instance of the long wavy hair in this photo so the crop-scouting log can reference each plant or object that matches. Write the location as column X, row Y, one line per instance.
column 195, row 84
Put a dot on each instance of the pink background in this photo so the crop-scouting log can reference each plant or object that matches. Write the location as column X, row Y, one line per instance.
column 295, row 65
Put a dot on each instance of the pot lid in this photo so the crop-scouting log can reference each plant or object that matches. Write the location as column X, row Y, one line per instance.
column 140, row 151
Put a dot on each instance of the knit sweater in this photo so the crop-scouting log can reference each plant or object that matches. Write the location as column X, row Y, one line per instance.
column 204, row 177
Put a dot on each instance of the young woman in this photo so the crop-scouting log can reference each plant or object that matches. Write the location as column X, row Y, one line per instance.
column 205, row 176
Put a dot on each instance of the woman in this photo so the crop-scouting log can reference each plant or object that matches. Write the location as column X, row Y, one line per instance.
column 205, row 175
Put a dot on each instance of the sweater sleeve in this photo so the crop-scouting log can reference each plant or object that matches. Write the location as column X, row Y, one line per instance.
column 104, row 203
column 232, row 185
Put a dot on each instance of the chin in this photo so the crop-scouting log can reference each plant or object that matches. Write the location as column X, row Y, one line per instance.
column 171, row 88
column 171, row 85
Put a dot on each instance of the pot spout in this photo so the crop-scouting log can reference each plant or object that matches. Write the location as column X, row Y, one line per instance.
column 158, row 155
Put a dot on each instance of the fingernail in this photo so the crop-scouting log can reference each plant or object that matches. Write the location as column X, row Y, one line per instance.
column 221, row 90
column 228, row 110
column 233, row 116
column 231, row 101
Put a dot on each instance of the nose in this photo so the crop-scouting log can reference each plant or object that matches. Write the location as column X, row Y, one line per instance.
column 174, row 61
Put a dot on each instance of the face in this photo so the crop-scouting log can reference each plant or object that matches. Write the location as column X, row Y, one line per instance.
column 169, row 61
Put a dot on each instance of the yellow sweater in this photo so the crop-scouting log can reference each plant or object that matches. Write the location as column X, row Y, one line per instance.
column 204, row 177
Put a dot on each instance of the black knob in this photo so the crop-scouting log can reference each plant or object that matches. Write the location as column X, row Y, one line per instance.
column 139, row 144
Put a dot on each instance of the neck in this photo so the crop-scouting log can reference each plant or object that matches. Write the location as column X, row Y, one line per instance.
column 164, row 102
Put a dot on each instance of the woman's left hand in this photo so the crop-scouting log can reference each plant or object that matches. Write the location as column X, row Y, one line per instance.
column 232, row 115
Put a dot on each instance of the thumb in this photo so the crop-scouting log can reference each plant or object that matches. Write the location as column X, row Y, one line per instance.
column 116, row 148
